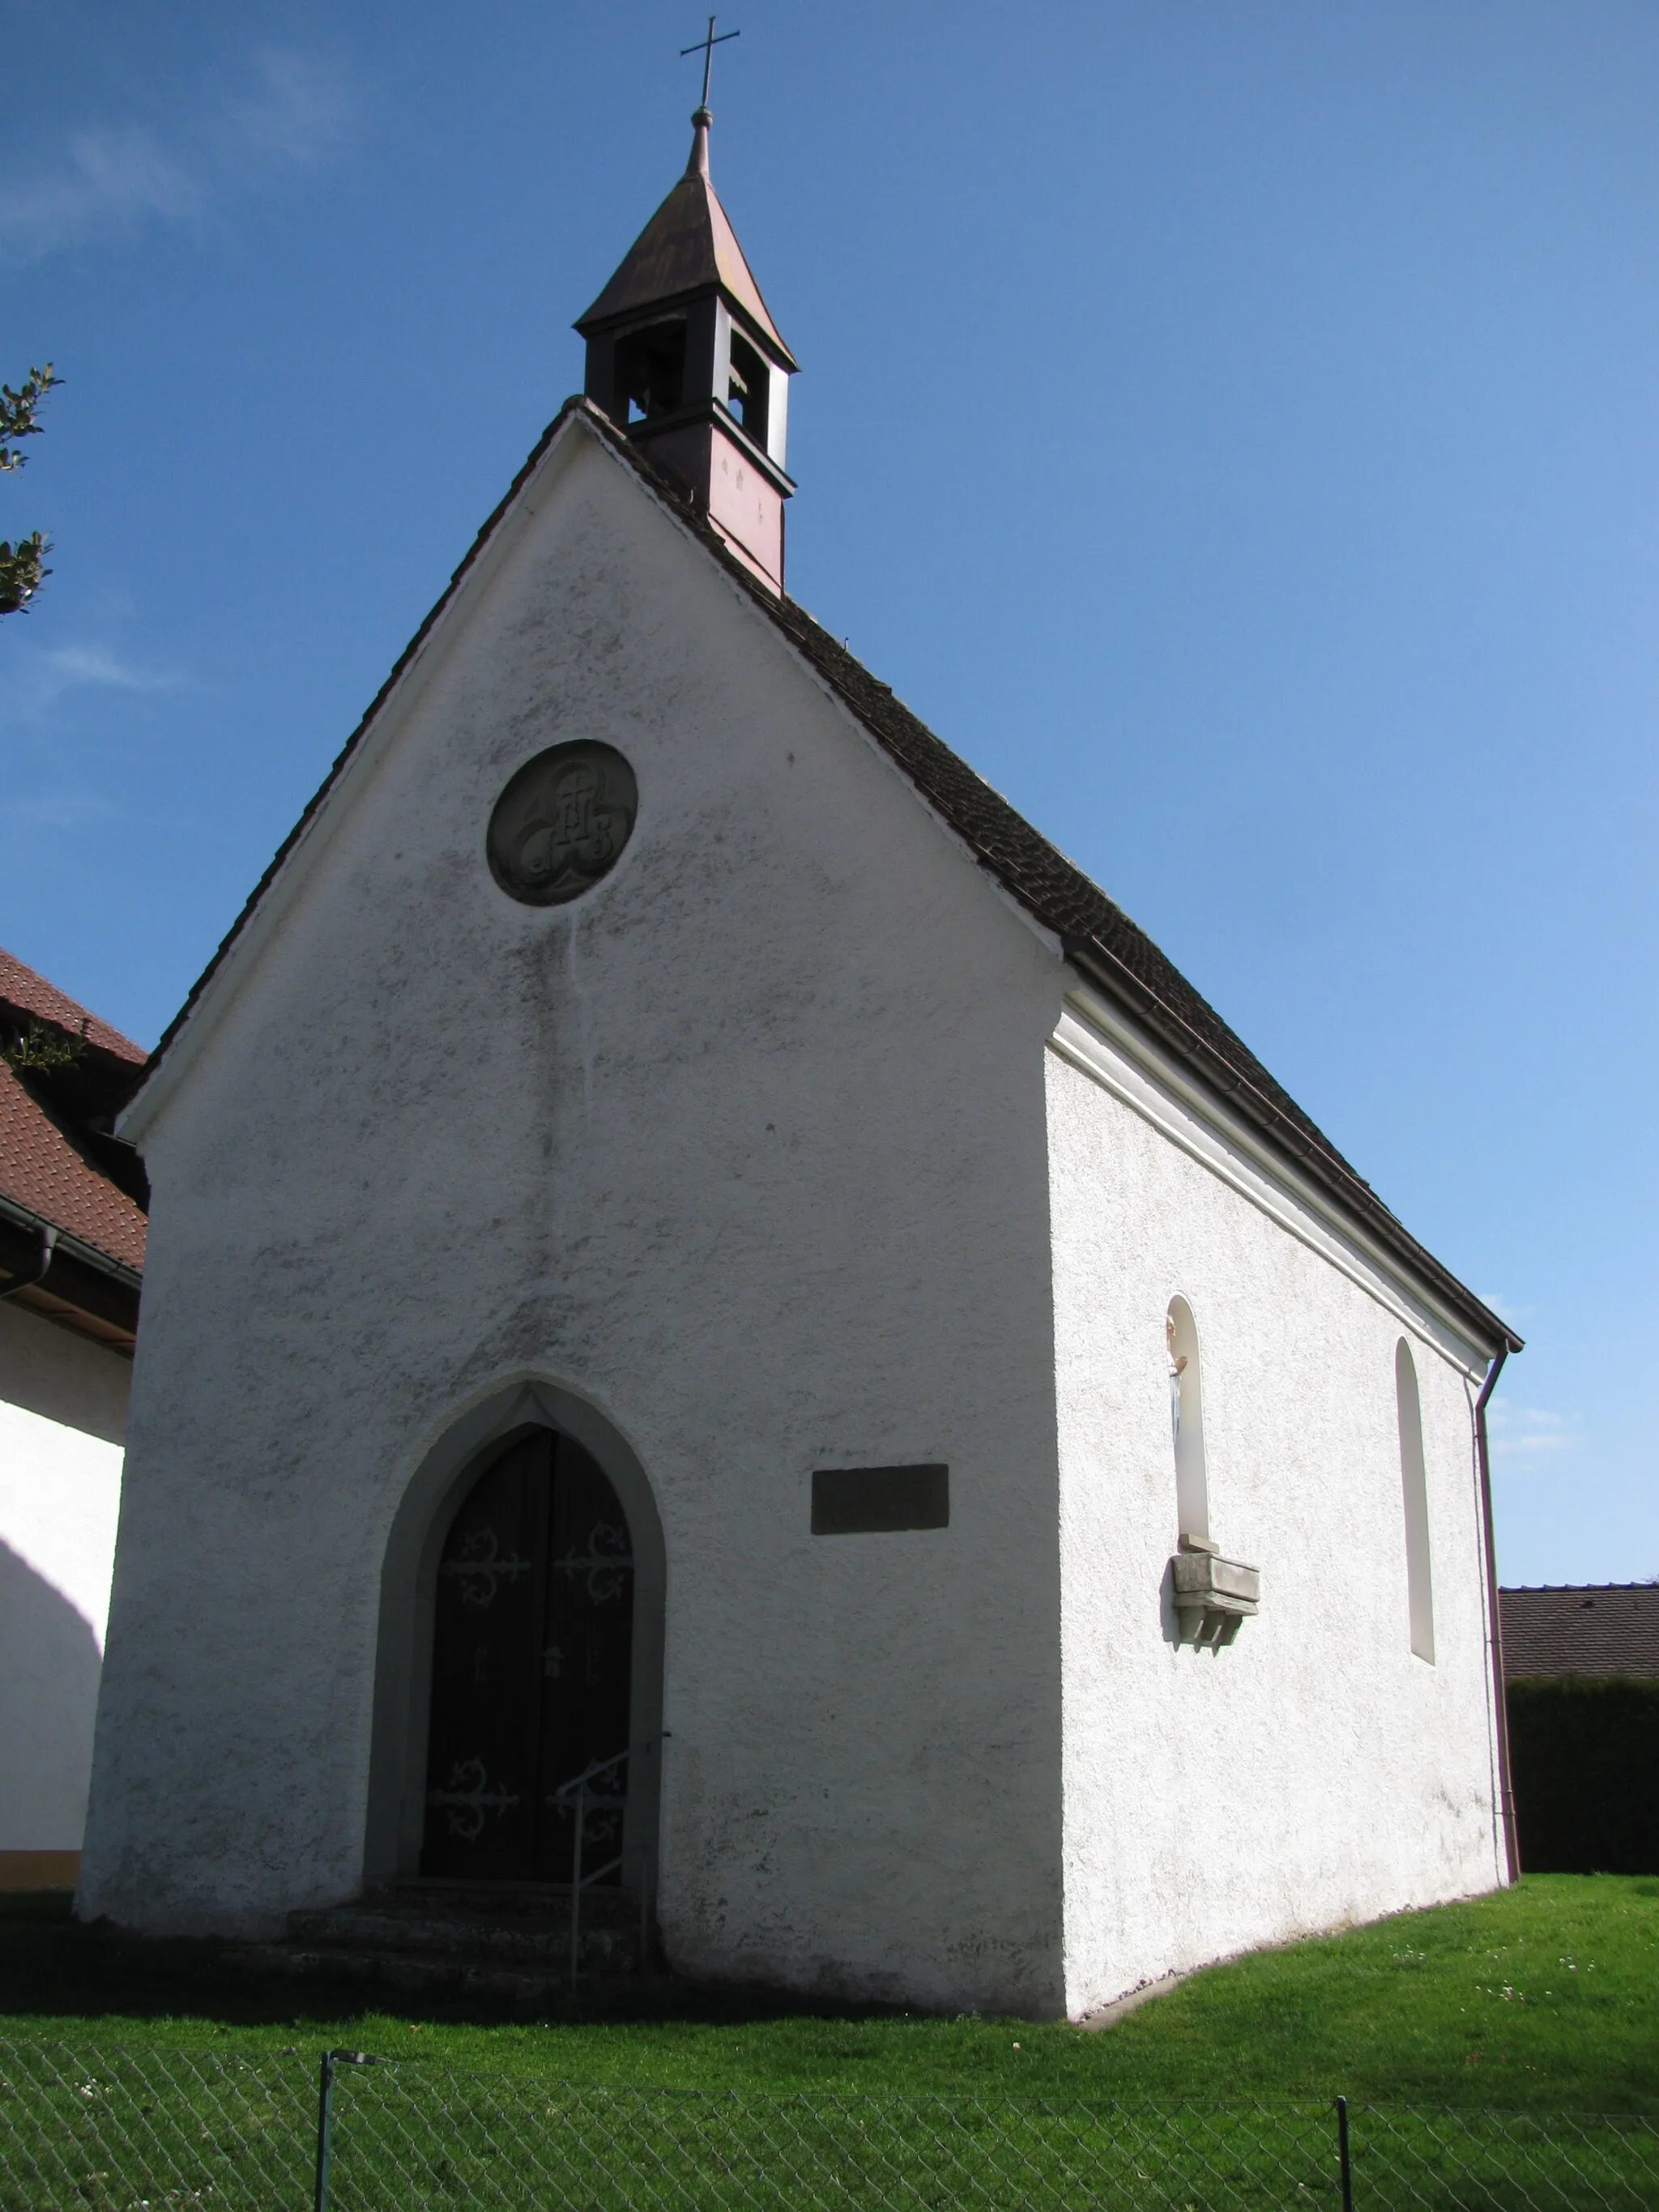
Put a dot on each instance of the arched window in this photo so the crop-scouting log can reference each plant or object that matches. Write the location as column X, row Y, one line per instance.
column 1414, row 1481
column 1187, row 1421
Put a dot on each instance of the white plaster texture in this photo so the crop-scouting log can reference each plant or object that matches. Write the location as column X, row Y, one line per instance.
column 746, row 1148
column 63, row 1415
column 1313, row 1772
column 758, row 1151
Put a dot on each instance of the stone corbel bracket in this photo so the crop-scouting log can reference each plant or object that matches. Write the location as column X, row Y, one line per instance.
column 1212, row 1596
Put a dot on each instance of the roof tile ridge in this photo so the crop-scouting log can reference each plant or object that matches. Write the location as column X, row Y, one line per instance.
column 1573, row 1590
column 1298, row 1128
column 785, row 613
column 1301, row 1136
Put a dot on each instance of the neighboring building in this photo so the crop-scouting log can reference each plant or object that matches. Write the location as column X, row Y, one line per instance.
column 1582, row 1665
column 1591, row 1629
column 674, row 1205
column 71, row 1262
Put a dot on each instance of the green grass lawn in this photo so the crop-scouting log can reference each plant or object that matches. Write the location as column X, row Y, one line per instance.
column 1545, row 1998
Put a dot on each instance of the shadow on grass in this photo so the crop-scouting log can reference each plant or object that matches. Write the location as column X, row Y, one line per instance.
column 54, row 1967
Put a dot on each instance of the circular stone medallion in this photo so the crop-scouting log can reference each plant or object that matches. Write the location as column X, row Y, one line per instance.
column 561, row 822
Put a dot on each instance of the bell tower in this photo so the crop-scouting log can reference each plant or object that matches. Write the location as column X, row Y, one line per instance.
column 682, row 355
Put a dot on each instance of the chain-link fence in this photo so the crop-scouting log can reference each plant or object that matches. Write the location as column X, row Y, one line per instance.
column 135, row 2131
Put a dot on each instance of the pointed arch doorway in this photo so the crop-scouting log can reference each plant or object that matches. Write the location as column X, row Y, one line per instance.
column 533, row 1624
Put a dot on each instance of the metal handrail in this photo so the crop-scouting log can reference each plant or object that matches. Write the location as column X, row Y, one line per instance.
column 576, row 1790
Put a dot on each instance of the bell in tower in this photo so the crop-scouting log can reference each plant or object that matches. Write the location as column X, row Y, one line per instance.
column 682, row 355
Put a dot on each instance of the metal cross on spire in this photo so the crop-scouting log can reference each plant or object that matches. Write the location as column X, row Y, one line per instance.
column 705, row 46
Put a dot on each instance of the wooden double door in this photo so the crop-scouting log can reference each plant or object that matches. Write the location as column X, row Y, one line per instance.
column 532, row 1650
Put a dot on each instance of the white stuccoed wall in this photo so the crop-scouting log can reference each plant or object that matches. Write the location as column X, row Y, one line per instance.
column 1313, row 1772
column 752, row 1149
column 63, row 1416
column 747, row 1148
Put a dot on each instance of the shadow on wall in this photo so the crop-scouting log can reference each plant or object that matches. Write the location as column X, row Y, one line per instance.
column 50, row 1664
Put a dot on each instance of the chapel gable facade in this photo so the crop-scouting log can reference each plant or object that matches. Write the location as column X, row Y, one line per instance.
column 724, row 1331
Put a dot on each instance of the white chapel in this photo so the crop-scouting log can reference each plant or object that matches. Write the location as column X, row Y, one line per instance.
column 721, row 1327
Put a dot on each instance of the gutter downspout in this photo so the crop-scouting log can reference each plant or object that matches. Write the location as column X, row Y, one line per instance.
column 48, row 1247
column 72, row 1247
column 1483, row 1460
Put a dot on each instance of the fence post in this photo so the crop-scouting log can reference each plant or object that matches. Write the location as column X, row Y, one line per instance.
column 325, row 2115
column 1342, row 2153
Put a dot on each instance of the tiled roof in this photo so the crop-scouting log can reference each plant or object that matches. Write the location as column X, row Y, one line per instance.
column 29, row 993
column 688, row 245
column 1597, row 1628
column 1044, row 881
column 1098, row 937
column 42, row 1169
column 49, row 1139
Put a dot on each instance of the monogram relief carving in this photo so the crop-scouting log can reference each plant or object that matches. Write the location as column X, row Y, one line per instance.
column 561, row 822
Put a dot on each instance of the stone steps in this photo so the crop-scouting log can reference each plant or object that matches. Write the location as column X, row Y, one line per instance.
column 503, row 1944
column 608, row 1906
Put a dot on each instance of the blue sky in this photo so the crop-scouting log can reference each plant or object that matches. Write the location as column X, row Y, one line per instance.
column 1232, row 425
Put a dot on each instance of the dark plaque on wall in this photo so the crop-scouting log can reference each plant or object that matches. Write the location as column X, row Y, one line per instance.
column 860, row 1501
column 561, row 822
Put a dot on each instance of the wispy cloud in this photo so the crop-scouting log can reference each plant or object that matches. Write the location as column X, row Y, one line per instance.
column 62, row 810
column 297, row 112
column 39, row 680
column 1527, row 1432
column 103, row 180
column 70, row 667
column 300, row 113
column 75, row 718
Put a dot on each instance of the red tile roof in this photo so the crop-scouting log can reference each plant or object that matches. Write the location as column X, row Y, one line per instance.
column 41, row 1169
column 49, row 1162
column 1595, row 1628
column 20, row 986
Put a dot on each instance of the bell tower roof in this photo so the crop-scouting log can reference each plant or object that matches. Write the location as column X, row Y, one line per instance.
column 683, row 357
column 688, row 246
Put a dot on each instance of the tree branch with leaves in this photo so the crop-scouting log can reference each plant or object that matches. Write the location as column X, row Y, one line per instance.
column 22, row 564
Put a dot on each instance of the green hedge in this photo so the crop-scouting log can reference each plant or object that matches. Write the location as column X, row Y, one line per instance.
column 1584, row 1757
